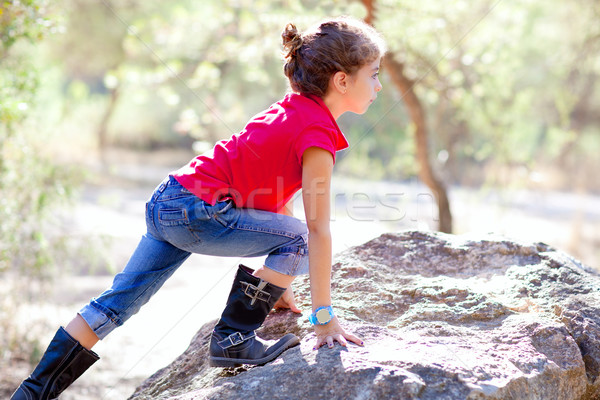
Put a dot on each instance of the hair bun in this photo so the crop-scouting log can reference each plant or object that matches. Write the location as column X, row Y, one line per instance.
column 292, row 40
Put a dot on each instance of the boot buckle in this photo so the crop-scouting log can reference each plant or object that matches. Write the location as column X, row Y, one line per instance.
column 234, row 339
column 256, row 292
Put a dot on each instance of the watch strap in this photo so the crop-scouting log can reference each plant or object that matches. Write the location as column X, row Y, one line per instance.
column 312, row 318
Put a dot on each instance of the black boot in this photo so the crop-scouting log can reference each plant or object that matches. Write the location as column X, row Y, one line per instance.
column 233, row 342
column 63, row 362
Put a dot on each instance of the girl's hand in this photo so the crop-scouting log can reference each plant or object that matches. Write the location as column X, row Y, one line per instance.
column 326, row 334
column 287, row 301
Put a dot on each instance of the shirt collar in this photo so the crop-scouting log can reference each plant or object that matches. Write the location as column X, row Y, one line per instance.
column 342, row 142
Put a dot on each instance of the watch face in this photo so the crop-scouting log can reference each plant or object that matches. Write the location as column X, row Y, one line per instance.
column 323, row 316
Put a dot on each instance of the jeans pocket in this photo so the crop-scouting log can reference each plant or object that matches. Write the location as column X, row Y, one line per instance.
column 172, row 217
column 224, row 213
column 223, row 206
column 176, row 228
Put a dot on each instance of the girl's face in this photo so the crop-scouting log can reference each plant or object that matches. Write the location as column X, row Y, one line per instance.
column 362, row 88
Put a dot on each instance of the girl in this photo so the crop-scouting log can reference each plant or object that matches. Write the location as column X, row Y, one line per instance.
column 236, row 201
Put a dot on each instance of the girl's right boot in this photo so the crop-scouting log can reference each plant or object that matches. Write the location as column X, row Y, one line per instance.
column 64, row 361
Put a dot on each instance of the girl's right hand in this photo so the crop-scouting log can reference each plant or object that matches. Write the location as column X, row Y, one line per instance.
column 287, row 300
column 326, row 334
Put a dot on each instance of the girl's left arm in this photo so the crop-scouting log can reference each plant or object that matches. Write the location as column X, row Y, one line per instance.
column 317, row 167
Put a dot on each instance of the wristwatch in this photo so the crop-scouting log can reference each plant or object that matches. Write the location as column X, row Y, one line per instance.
column 321, row 316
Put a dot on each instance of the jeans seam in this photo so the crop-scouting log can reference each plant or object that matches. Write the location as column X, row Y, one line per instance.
column 180, row 223
column 185, row 220
column 267, row 231
column 160, row 189
column 174, row 197
column 297, row 260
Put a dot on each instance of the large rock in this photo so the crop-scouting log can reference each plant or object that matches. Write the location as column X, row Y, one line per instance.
column 442, row 317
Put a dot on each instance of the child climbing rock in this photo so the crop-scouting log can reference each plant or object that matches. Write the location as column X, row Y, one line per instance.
column 235, row 201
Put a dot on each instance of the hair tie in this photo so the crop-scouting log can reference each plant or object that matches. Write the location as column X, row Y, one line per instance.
column 299, row 42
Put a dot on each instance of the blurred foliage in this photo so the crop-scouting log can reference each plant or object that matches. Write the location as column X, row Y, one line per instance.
column 30, row 181
column 18, row 21
column 508, row 87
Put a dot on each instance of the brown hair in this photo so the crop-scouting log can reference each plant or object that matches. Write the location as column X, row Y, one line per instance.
column 341, row 44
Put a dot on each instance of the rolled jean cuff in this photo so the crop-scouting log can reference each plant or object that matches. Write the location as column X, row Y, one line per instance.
column 98, row 321
column 288, row 264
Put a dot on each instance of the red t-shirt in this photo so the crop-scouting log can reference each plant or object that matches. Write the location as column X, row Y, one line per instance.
column 261, row 167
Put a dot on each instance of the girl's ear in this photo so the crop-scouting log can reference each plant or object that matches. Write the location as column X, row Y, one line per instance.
column 339, row 82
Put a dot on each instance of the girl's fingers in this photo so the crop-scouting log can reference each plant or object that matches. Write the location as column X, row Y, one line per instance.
column 291, row 300
column 354, row 339
column 318, row 343
column 325, row 340
column 334, row 332
column 341, row 340
column 293, row 306
column 287, row 300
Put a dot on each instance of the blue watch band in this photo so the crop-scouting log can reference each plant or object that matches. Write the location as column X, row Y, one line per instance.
column 321, row 316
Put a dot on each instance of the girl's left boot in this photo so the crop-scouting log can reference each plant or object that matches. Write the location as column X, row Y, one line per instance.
column 233, row 341
column 63, row 362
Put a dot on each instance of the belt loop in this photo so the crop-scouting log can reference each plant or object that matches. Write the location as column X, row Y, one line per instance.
column 164, row 184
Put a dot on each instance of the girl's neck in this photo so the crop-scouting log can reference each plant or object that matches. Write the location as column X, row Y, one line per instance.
column 333, row 101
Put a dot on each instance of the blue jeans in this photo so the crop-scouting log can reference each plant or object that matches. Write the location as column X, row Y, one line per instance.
column 178, row 224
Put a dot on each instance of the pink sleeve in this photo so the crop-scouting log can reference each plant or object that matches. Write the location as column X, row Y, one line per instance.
column 316, row 136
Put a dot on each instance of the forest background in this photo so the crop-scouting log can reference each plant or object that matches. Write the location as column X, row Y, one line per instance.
column 486, row 103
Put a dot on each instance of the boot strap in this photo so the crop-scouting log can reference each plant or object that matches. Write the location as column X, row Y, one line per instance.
column 234, row 339
column 256, row 292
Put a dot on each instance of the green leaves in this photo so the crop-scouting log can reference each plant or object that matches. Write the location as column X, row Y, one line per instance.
column 501, row 71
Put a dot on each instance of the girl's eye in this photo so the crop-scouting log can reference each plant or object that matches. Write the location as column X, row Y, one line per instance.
column 375, row 75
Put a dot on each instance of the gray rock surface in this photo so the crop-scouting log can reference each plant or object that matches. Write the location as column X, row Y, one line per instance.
column 442, row 317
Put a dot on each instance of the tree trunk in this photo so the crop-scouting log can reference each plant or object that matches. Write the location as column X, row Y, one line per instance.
column 395, row 70
column 370, row 6
column 103, row 126
column 417, row 115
